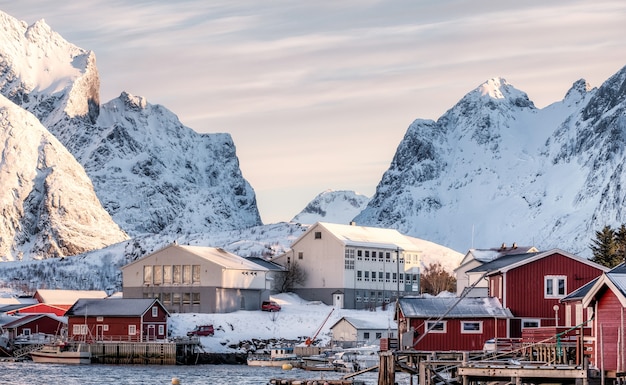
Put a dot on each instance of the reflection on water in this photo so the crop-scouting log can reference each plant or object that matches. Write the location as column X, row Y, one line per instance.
column 28, row 373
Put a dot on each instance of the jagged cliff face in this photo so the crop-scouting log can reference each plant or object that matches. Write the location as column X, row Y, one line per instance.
column 181, row 181
column 496, row 169
column 49, row 207
column 152, row 174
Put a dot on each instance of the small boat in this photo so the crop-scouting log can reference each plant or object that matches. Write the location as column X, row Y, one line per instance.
column 356, row 359
column 62, row 353
column 277, row 357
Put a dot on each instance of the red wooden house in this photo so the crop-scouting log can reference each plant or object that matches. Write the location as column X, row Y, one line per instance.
column 531, row 285
column 31, row 324
column 123, row 319
column 607, row 298
column 450, row 323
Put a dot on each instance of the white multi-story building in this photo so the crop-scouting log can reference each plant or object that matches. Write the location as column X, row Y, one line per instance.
column 355, row 267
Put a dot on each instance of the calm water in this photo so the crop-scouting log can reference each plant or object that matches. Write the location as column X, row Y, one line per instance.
column 27, row 373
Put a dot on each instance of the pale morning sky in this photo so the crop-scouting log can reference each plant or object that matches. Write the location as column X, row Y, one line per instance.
column 318, row 94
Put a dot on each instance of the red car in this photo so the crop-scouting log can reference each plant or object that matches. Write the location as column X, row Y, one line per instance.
column 270, row 306
column 202, row 331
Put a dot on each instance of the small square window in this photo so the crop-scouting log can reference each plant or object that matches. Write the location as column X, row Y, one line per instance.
column 318, row 235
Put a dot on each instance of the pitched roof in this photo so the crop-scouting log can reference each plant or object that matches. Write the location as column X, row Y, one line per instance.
column 267, row 264
column 216, row 255
column 67, row 297
column 453, row 307
column 29, row 318
column 614, row 280
column 352, row 235
column 581, row 292
column 488, row 255
column 509, row 262
column 118, row 307
column 361, row 324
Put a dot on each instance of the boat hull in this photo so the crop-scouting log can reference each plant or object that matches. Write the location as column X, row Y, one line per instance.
column 272, row 363
column 67, row 358
column 55, row 355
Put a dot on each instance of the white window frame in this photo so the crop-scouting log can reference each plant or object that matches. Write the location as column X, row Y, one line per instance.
column 478, row 331
column 554, row 279
column 161, row 330
column 525, row 320
column 155, row 311
column 132, row 330
column 444, row 329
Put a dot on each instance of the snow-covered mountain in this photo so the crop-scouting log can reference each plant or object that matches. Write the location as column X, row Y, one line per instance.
column 332, row 206
column 495, row 169
column 49, row 207
column 151, row 173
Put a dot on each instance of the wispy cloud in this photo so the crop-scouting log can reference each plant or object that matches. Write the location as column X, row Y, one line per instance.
column 319, row 94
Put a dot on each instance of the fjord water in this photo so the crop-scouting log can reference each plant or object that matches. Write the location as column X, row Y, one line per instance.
column 29, row 373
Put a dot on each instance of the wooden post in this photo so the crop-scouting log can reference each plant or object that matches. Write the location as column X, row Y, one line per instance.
column 386, row 369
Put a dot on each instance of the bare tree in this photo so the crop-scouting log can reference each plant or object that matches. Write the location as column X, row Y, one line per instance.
column 294, row 275
column 435, row 279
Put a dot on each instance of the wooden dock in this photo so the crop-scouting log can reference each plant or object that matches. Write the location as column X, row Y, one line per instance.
column 146, row 353
column 473, row 368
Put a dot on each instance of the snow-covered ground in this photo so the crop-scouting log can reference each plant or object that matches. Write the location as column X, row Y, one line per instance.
column 297, row 319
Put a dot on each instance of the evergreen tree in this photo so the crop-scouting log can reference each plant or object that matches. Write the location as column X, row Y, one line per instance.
column 620, row 239
column 605, row 247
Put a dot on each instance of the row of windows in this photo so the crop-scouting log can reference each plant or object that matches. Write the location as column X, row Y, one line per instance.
column 379, row 256
column 385, row 276
column 171, row 274
column 467, row 327
column 169, row 299
column 82, row 330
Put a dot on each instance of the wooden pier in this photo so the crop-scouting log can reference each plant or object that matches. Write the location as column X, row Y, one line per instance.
column 473, row 368
column 146, row 353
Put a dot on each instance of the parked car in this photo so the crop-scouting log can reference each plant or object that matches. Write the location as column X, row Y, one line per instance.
column 270, row 306
column 202, row 331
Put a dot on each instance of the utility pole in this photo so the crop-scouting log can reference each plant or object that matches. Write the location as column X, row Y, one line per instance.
column 398, row 273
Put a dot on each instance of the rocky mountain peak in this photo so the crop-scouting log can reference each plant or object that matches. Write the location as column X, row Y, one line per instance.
column 48, row 203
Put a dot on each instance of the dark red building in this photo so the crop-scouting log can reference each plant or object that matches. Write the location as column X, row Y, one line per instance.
column 117, row 319
column 607, row 298
column 30, row 324
column 532, row 285
column 450, row 323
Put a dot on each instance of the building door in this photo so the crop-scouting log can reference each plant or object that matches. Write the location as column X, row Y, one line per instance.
column 151, row 333
column 99, row 332
column 338, row 300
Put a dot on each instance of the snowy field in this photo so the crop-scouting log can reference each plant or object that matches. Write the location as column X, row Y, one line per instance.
column 297, row 319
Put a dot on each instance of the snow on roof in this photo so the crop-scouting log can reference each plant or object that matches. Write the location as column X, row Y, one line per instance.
column 223, row 258
column 453, row 307
column 362, row 236
column 501, row 262
column 488, row 255
column 360, row 323
column 67, row 297
column 366, row 236
column 121, row 307
column 22, row 320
